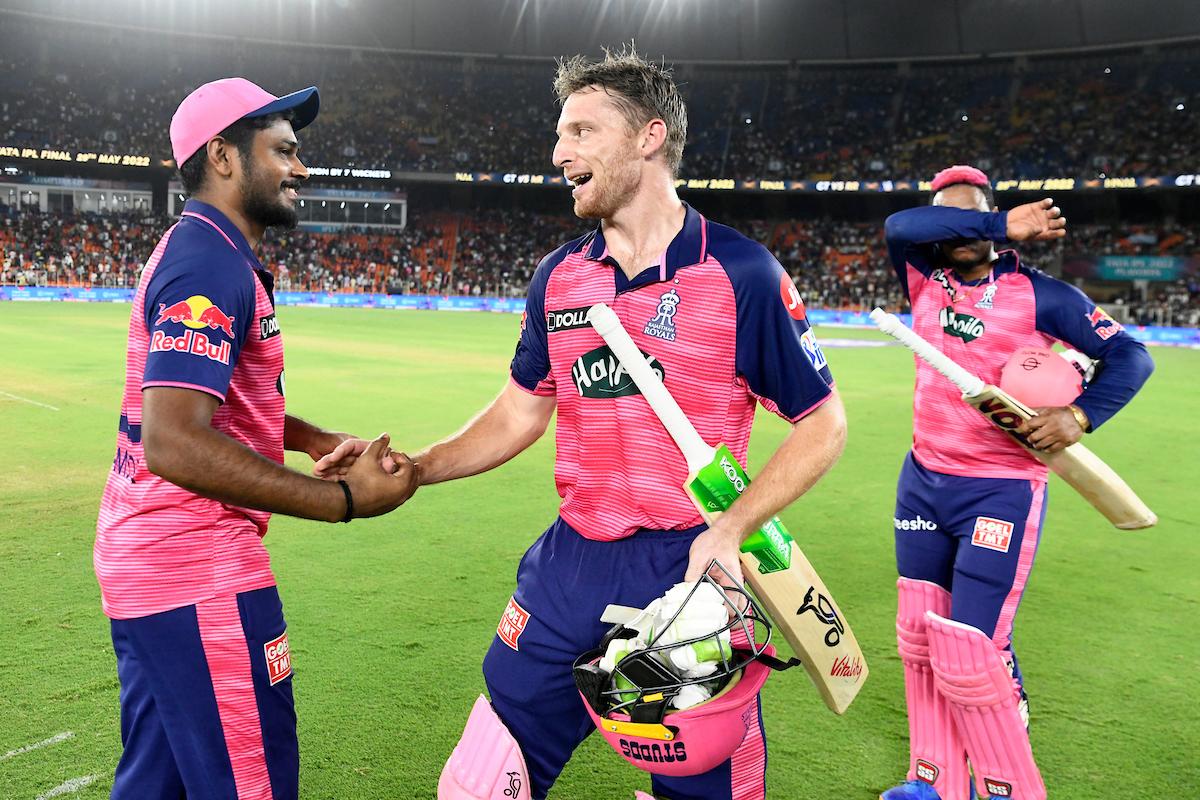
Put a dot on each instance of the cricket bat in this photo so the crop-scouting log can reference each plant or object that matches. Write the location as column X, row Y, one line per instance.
column 1079, row 467
column 785, row 584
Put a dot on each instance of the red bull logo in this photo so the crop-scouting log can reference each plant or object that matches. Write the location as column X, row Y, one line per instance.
column 196, row 312
column 193, row 342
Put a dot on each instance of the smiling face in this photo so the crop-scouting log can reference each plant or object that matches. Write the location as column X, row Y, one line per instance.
column 964, row 254
column 271, row 176
column 598, row 153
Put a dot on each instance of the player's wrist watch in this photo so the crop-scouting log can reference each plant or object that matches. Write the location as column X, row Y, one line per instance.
column 1080, row 417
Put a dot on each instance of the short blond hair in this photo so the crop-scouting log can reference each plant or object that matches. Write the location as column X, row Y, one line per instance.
column 642, row 89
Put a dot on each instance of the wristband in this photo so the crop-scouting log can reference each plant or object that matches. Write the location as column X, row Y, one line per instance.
column 1080, row 417
column 349, row 501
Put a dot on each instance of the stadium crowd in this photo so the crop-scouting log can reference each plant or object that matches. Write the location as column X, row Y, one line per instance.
column 836, row 264
column 1076, row 116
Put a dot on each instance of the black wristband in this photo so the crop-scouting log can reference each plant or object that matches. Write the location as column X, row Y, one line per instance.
column 349, row 502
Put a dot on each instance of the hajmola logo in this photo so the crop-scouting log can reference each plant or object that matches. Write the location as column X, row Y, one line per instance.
column 599, row 374
column 964, row 326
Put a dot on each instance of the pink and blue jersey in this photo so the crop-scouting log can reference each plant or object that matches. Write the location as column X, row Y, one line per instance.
column 203, row 319
column 718, row 318
column 980, row 325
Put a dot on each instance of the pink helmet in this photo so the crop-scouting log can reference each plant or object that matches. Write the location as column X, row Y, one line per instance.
column 634, row 717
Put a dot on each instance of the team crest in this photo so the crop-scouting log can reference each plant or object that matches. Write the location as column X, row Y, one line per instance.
column 663, row 324
column 989, row 297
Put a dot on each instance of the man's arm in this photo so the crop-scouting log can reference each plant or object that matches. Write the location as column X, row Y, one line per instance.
column 182, row 447
column 811, row 448
column 508, row 425
column 1070, row 316
column 512, row 422
column 304, row 437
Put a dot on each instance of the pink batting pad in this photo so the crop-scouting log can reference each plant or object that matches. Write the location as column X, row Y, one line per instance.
column 642, row 796
column 936, row 752
column 1037, row 376
column 959, row 173
column 973, row 676
column 486, row 763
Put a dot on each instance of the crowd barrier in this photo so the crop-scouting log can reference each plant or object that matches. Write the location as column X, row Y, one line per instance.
column 1177, row 337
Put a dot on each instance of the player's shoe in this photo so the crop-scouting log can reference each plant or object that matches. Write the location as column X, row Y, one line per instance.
column 913, row 790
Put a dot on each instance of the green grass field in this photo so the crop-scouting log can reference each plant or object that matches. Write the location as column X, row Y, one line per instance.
column 389, row 618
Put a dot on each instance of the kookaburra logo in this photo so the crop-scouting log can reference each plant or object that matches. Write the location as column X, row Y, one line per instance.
column 599, row 374
column 731, row 474
column 964, row 326
column 824, row 610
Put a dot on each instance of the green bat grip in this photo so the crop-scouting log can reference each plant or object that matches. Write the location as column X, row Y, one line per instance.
column 715, row 487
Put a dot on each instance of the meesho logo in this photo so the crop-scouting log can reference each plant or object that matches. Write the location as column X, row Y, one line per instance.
column 196, row 314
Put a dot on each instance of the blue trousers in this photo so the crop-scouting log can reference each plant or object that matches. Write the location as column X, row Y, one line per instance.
column 206, row 702
column 564, row 582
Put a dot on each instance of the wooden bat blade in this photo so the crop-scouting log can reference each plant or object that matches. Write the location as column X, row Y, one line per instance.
column 802, row 609
column 1079, row 467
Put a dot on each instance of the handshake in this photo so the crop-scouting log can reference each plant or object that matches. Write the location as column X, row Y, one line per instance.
column 374, row 477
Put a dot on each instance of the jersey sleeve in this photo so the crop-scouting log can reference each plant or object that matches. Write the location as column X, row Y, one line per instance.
column 777, row 353
column 530, row 367
column 198, row 317
column 911, row 235
column 1070, row 316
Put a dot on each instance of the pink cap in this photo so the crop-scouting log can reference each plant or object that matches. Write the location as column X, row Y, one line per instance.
column 959, row 173
column 215, row 106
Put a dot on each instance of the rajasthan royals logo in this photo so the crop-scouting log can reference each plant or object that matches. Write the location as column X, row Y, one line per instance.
column 663, row 324
column 989, row 296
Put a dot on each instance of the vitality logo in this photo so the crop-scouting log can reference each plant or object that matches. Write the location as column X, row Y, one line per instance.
column 599, row 374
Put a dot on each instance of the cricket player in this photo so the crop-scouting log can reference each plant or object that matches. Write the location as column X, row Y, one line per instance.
column 197, row 625
column 723, row 324
column 971, row 501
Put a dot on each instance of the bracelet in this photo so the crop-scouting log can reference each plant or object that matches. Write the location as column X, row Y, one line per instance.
column 1080, row 417
column 349, row 501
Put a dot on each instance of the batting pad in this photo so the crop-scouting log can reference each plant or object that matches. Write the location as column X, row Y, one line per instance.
column 936, row 752
column 984, row 699
column 486, row 763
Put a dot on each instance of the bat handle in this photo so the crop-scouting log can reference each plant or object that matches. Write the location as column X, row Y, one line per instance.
column 968, row 384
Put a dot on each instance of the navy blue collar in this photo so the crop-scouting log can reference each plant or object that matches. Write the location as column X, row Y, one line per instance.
column 209, row 217
column 690, row 246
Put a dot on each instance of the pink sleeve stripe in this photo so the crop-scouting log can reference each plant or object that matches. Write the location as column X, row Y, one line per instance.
column 775, row 409
column 538, row 392
column 177, row 385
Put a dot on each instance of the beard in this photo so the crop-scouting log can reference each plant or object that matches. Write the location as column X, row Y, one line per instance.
column 263, row 204
column 614, row 190
column 980, row 253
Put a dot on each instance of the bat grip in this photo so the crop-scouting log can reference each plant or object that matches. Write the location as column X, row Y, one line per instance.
column 695, row 451
column 968, row 384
